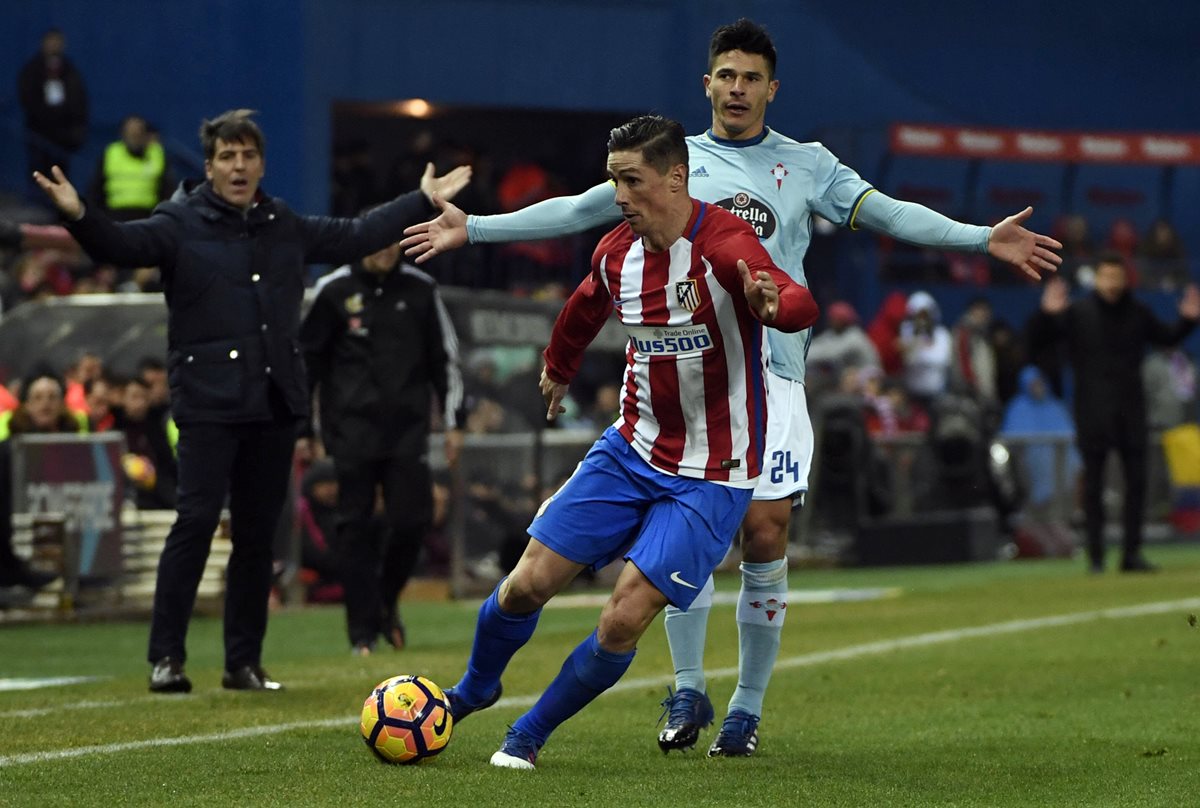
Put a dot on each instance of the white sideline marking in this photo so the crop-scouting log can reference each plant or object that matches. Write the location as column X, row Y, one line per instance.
column 34, row 712
column 55, row 681
column 804, row 660
column 729, row 598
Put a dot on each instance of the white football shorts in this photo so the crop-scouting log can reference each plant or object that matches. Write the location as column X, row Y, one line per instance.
column 789, row 448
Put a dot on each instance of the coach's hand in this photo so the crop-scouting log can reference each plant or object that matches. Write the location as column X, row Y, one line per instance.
column 61, row 192
column 446, row 232
column 1189, row 304
column 553, row 392
column 761, row 292
column 453, row 447
column 446, row 187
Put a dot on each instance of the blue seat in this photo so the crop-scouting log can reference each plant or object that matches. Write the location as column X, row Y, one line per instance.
column 939, row 184
column 1184, row 202
column 1005, row 187
column 1104, row 193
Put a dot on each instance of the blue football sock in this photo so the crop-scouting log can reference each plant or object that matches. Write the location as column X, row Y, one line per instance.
column 762, row 605
column 685, row 636
column 498, row 635
column 587, row 672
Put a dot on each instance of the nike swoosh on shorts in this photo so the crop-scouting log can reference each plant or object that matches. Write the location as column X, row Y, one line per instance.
column 677, row 579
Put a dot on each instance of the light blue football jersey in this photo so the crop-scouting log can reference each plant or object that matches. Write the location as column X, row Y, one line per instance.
column 776, row 184
column 773, row 182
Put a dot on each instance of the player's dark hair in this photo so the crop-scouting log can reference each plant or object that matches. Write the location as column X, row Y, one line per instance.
column 746, row 36
column 234, row 126
column 660, row 140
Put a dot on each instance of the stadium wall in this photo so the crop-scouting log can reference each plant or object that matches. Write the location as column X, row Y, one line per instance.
column 1102, row 64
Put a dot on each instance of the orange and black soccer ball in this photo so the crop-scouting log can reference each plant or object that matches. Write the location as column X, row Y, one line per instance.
column 406, row 719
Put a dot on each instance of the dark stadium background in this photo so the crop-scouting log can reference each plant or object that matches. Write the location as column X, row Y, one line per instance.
column 1104, row 65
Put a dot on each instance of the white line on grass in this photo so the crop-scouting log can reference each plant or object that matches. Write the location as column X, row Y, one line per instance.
column 54, row 681
column 794, row 597
column 34, row 712
column 804, row 660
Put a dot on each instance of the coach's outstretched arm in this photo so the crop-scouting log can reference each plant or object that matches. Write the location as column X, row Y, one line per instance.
column 61, row 192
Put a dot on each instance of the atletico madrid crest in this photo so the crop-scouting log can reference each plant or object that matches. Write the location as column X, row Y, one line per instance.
column 688, row 294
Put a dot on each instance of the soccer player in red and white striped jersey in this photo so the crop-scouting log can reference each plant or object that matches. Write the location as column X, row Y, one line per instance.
column 694, row 401
column 667, row 485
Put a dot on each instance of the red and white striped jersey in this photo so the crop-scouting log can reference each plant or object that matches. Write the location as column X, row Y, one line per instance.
column 694, row 399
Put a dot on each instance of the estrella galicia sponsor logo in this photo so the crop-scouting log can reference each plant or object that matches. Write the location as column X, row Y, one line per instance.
column 684, row 340
column 746, row 207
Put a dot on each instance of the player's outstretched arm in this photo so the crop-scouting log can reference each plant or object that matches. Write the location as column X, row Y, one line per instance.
column 445, row 233
column 1008, row 241
column 551, row 218
column 1030, row 252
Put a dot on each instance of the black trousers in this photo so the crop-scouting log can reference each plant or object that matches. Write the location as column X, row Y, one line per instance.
column 251, row 463
column 1130, row 443
column 376, row 559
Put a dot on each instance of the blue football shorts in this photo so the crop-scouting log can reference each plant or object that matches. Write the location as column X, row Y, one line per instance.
column 676, row 530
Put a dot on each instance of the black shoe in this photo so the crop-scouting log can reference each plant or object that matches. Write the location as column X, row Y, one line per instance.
column 1138, row 563
column 687, row 712
column 168, row 677
column 1096, row 568
column 249, row 677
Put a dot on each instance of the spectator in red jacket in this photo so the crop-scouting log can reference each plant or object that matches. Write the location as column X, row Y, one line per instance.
column 884, row 331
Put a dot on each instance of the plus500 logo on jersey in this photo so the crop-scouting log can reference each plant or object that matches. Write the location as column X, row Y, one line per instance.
column 684, row 340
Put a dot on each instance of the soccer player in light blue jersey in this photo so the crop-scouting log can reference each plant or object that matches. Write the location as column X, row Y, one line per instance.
column 776, row 184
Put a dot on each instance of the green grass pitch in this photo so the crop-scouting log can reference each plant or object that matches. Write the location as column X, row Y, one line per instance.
column 1019, row 683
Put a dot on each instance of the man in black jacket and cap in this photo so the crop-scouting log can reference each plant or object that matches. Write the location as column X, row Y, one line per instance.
column 1107, row 333
column 232, row 261
column 377, row 342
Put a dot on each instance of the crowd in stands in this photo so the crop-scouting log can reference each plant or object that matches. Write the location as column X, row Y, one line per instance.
column 1156, row 257
column 909, row 377
column 899, row 367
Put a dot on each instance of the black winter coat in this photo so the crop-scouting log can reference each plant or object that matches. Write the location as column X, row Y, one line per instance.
column 1106, row 343
column 63, row 124
column 234, row 282
column 377, row 346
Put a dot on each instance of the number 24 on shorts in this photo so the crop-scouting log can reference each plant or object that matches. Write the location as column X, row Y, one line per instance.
column 781, row 463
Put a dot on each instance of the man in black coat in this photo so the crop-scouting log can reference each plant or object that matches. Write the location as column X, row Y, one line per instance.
column 1107, row 334
column 232, row 261
column 55, row 102
column 377, row 343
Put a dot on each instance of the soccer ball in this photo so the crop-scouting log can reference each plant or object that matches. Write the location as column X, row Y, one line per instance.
column 406, row 719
